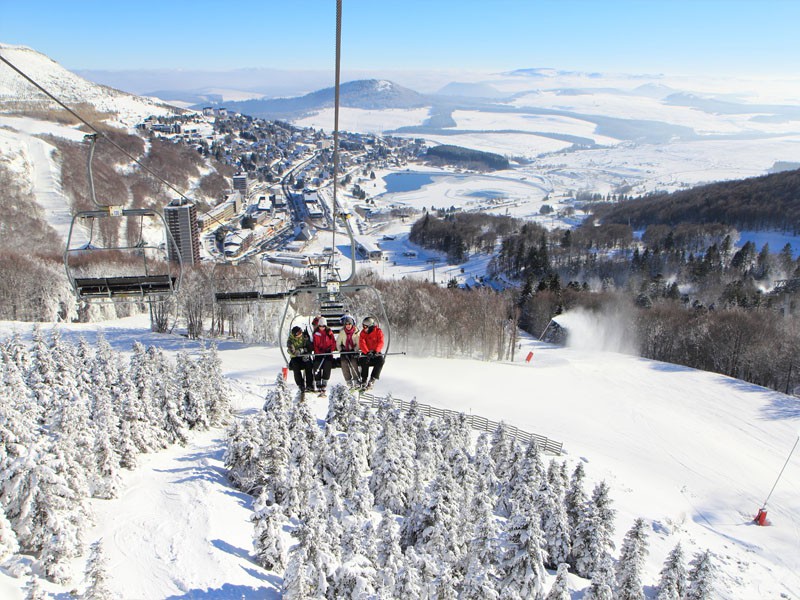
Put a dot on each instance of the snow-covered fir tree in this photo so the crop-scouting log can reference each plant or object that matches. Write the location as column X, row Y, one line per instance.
column 389, row 559
column 33, row 589
column 356, row 576
column 391, row 478
column 701, row 577
column 268, row 544
column 441, row 519
column 560, row 588
column 522, row 566
column 192, row 400
column 673, row 583
column 555, row 527
column 215, row 386
column 593, row 541
column 8, row 539
column 631, row 562
column 575, row 499
column 97, row 587
column 602, row 580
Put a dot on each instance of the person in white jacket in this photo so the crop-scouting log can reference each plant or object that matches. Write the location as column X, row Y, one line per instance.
column 347, row 344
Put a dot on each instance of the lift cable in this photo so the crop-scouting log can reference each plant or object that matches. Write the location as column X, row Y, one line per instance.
column 93, row 128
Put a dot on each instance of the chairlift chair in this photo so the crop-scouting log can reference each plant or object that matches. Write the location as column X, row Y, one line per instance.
column 137, row 271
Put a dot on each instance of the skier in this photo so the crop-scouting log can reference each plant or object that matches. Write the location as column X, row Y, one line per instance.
column 299, row 347
column 324, row 346
column 370, row 342
column 347, row 343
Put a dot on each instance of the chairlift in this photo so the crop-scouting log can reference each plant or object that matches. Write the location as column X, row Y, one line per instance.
column 243, row 281
column 332, row 300
column 139, row 270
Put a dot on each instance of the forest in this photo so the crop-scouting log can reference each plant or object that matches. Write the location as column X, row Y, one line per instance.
column 770, row 202
column 72, row 416
column 455, row 518
column 466, row 157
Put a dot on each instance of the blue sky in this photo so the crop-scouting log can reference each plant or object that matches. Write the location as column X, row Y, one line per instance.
column 719, row 37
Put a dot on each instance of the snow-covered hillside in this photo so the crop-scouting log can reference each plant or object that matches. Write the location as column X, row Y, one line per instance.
column 693, row 453
column 16, row 93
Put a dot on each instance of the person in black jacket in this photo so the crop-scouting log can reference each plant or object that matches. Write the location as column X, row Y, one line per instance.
column 300, row 348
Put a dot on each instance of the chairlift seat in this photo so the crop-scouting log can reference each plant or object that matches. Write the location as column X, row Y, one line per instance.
column 137, row 285
column 237, row 296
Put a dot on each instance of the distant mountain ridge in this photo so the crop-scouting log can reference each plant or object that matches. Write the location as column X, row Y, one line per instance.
column 369, row 94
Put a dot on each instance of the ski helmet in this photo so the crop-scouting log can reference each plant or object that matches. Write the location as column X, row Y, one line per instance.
column 368, row 322
column 348, row 319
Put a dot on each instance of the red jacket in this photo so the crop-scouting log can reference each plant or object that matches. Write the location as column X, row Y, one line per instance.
column 324, row 342
column 371, row 342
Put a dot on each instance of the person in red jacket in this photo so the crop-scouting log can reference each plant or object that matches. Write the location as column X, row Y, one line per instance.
column 370, row 342
column 324, row 346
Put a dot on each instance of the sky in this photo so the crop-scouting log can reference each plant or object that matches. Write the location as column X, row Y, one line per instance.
column 671, row 442
column 719, row 37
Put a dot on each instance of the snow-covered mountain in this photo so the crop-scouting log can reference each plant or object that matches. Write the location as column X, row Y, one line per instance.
column 17, row 94
column 369, row 94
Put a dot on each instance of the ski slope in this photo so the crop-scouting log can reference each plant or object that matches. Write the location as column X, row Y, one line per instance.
column 693, row 453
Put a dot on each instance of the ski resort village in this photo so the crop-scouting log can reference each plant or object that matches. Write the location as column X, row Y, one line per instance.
column 533, row 333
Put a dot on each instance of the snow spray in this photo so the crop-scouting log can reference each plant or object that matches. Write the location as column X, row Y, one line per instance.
column 598, row 331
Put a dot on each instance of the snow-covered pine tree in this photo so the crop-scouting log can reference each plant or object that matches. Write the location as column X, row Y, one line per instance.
column 701, row 577
column 522, row 567
column 165, row 393
column 215, row 386
column 555, row 526
column 446, row 583
column 389, row 555
column 279, row 399
column 338, row 404
column 18, row 416
column 674, row 579
column 602, row 586
column 33, row 589
column 560, row 588
column 593, row 539
column 501, row 449
column 465, row 476
column 575, row 499
column 427, row 450
column 41, row 377
column 317, row 558
column 409, row 582
column 59, row 517
column 631, row 562
column 355, row 577
column 141, row 418
column 97, row 587
column 455, row 433
column 391, row 478
column 8, row 539
column 527, row 476
column 191, row 399
column 267, row 539
column 482, row 556
column 107, row 479
column 442, row 519
column 352, row 464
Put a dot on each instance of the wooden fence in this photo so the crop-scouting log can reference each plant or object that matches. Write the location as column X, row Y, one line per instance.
column 476, row 422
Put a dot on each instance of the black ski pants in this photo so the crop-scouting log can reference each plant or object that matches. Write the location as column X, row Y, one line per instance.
column 370, row 360
column 302, row 366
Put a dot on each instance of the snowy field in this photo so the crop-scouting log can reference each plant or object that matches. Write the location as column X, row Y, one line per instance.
column 693, row 453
